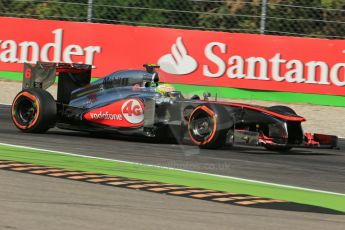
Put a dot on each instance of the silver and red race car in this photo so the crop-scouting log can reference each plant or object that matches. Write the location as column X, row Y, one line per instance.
column 134, row 102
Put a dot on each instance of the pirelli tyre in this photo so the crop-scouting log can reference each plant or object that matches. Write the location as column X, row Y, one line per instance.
column 208, row 126
column 34, row 111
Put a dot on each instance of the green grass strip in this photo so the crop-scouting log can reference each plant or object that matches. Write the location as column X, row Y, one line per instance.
column 289, row 97
column 18, row 76
column 228, row 93
column 140, row 171
column 14, row 76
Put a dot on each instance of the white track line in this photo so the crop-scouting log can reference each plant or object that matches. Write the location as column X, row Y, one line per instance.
column 181, row 170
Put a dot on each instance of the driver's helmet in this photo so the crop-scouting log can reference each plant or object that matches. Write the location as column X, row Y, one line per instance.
column 165, row 89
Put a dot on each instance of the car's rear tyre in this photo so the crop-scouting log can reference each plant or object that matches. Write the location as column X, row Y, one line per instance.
column 208, row 126
column 34, row 111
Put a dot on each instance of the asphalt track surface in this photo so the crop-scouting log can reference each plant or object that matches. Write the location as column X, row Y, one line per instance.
column 321, row 169
column 38, row 202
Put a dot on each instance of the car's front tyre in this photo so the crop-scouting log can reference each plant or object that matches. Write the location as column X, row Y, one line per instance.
column 208, row 126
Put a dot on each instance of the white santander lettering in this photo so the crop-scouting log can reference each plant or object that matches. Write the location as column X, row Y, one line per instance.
column 56, row 46
column 10, row 51
column 215, row 59
column 30, row 52
column 276, row 61
column 25, row 46
column 276, row 68
column 236, row 67
column 335, row 74
column 312, row 68
column 90, row 53
column 252, row 63
column 72, row 50
column 295, row 71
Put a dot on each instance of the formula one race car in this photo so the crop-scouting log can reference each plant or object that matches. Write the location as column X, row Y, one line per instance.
column 133, row 102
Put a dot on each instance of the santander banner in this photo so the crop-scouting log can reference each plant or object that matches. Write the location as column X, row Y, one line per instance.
column 186, row 56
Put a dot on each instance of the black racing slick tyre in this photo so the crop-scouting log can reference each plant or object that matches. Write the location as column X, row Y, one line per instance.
column 34, row 111
column 208, row 126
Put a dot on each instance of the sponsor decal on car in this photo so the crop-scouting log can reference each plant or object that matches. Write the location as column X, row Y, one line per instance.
column 132, row 111
column 27, row 73
column 123, row 113
column 106, row 116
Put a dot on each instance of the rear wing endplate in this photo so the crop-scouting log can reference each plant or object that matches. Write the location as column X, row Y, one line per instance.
column 43, row 74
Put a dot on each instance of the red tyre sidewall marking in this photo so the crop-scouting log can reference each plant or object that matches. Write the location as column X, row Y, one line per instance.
column 34, row 99
column 212, row 114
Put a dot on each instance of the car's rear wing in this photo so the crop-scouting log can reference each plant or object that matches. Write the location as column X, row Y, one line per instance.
column 70, row 76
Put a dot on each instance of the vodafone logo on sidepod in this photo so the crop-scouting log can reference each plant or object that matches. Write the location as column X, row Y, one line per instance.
column 123, row 113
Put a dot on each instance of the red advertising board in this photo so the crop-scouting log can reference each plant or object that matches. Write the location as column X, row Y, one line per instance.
column 186, row 56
